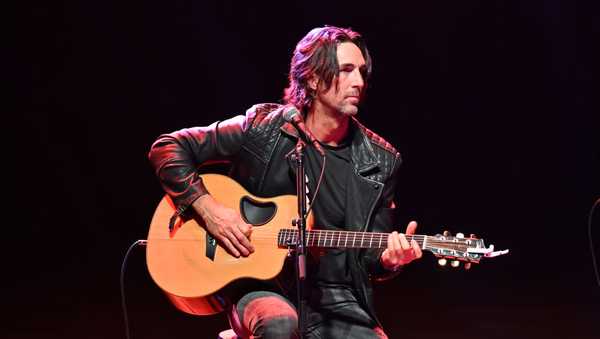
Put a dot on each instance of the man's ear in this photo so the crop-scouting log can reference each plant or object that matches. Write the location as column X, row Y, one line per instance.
column 313, row 83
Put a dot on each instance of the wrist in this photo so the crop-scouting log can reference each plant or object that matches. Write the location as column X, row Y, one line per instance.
column 203, row 204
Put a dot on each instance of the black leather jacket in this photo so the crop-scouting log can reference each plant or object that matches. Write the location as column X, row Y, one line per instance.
column 256, row 145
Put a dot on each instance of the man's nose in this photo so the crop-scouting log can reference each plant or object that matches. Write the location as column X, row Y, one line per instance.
column 357, row 79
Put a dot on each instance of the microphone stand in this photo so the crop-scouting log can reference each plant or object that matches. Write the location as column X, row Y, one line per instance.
column 298, row 157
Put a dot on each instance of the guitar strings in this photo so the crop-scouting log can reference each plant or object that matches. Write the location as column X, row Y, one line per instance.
column 352, row 236
column 330, row 237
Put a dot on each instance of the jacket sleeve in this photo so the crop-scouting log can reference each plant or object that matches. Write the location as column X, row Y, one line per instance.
column 384, row 220
column 176, row 156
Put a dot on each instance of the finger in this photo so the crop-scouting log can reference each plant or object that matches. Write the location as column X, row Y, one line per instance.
column 404, row 243
column 412, row 226
column 416, row 248
column 390, row 255
column 245, row 228
column 240, row 241
column 249, row 230
column 393, row 241
column 229, row 247
column 245, row 239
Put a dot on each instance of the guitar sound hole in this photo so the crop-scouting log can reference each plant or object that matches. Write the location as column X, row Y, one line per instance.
column 255, row 212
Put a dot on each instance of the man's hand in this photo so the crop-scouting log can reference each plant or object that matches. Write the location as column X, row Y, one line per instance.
column 399, row 251
column 226, row 225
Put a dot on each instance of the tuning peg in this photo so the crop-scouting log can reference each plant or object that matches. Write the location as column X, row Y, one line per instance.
column 467, row 266
column 442, row 262
column 455, row 263
column 460, row 235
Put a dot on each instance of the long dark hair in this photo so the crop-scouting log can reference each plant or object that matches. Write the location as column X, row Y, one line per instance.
column 316, row 54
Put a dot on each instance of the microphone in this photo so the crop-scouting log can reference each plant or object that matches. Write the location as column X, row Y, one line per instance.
column 294, row 117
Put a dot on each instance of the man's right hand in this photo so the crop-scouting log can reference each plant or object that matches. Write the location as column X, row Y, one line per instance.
column 226, row 225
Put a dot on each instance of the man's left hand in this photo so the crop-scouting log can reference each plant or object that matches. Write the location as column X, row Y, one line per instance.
column 399, row 251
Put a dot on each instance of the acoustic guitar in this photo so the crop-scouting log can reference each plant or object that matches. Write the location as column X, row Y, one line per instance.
column 191, row 267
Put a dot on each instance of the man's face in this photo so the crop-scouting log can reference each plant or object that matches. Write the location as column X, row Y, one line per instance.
column 345, row 97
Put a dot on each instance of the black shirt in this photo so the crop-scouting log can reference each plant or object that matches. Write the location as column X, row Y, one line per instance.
column 327, row 267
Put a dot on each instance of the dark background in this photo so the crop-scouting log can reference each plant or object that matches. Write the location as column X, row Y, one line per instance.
column 492, row 104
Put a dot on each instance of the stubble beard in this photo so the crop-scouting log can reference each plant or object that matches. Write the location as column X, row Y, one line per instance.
column 349, row 110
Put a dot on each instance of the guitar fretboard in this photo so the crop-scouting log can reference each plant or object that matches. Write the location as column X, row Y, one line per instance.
column 341, row 239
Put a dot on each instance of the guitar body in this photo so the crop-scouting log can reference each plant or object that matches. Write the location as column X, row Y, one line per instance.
column 190, row 267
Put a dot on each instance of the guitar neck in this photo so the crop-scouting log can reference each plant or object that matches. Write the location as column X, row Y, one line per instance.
column 344, row 239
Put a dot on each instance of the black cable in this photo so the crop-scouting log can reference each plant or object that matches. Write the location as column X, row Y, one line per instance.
column 138, row 242
column 592, row 243
column 312, row 202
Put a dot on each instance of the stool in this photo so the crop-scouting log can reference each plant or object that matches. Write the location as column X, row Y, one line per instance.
column 228, row 334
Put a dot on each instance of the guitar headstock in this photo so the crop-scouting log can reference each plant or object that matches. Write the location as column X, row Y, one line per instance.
column 457, row 249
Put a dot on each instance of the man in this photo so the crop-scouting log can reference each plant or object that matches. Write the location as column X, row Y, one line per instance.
column 328, row 74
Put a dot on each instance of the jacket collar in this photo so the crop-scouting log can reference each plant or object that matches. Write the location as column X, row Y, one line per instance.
column 289, row 129
column 362, row 153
